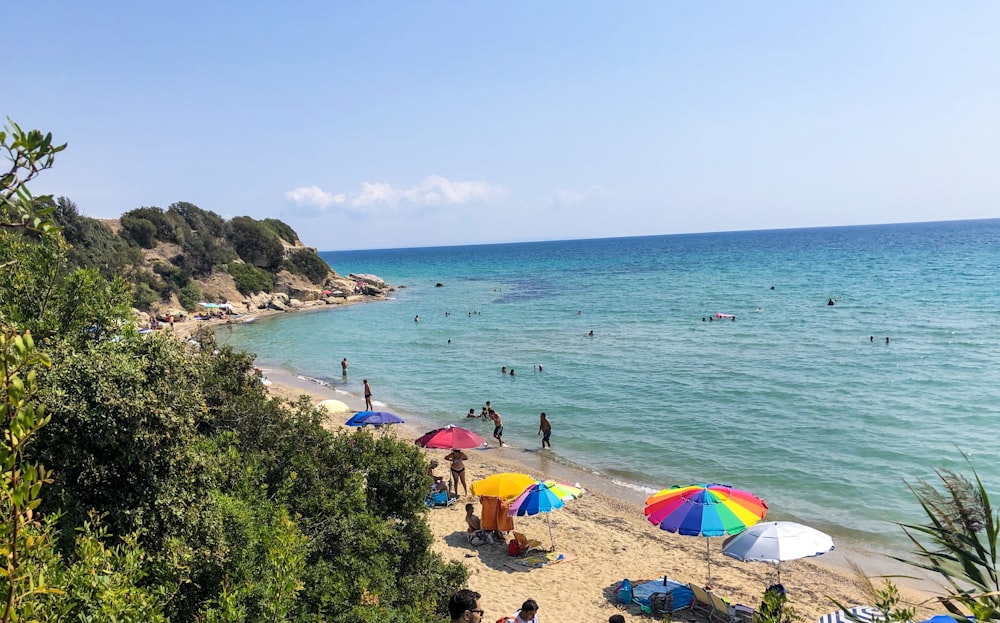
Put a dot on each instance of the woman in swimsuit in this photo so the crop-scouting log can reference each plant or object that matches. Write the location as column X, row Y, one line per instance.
column 457, row 459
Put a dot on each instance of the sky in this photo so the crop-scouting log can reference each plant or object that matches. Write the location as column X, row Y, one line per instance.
column 367, row 125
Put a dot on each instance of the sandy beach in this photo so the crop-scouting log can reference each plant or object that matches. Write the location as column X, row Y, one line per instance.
column 604, row 538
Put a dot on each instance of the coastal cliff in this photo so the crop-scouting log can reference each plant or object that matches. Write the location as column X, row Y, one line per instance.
column 176, row 259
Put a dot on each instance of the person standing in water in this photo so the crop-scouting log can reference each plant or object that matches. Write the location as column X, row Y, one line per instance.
column 545, row 427
column 343, row 366
column 368, row 396
column 497, row 426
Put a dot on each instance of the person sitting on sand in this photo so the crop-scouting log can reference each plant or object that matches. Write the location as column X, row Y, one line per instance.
column 457, row 458
column 617, row 618
column 439, row 484
column 471, row 519
column 527, row 614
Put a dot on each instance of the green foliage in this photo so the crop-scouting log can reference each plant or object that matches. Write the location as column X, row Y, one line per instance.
column 959, row 543
column 774, row 608
column 284, row 232
column 139, row 230
column 144, row 297
column 189, row 296
column 306, row 263
column 250, row 279
column 254, row 243
column 75, row 305
column 21, row 480
column 93, row 244
column 29, row 153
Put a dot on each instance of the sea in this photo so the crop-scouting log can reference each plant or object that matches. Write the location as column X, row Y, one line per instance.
column 829, row 412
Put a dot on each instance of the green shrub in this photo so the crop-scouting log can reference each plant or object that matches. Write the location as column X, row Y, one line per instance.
column 189, row 296
column 306, row 263
column 255, row 243
column 250, row 279
column 284, row 232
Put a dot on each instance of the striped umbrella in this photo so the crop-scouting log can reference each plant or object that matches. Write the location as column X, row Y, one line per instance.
column 861, row 613
column 544, row 496
column 704, row 510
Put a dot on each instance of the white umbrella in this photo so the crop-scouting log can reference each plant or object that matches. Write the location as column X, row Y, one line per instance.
column 863, row 613
column 777, row 542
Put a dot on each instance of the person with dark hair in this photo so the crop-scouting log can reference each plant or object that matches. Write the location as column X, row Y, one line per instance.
column 527, row 614
column 464, row 607
column 617, row 618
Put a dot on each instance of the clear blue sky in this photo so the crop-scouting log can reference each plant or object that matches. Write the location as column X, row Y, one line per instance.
column 388, row 124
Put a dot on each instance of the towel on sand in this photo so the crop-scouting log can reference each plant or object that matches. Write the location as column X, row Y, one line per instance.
column 540, row 560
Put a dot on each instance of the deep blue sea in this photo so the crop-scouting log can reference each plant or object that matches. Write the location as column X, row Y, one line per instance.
column 802, row 403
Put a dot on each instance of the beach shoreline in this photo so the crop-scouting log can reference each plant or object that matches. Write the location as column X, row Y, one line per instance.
column 604, row 534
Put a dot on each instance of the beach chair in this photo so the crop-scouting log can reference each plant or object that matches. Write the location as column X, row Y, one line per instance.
column 744, row 614
column 722, row 612
column 702, row 603
column 525, row 545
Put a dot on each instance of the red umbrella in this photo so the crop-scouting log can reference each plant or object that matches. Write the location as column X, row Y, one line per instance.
column 450, row 437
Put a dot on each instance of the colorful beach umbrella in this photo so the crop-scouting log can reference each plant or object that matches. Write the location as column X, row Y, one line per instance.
column 544, row 497
column 505, row 485
column 375, row 418
column 777, row 542
column 450, row 437
column 704, row 510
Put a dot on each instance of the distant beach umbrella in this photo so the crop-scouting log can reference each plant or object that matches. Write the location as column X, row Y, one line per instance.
column 704, row 510
column 333, row 406
column 375, row 418
column 777, row 542
column 450, row 437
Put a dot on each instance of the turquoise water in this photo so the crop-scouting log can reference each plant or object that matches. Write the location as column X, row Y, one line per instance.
column 792, row 401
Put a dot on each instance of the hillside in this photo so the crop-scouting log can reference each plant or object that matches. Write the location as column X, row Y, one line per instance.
column 177, row 258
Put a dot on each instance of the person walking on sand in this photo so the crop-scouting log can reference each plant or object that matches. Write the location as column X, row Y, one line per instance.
column 457, row 458
column 545, row 427
column 343, row 366
column 497, row 426
column 368, row 396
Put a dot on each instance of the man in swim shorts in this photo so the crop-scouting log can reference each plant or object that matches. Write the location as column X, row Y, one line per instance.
column 368, row 396
column 545, row 427
column 497, row 426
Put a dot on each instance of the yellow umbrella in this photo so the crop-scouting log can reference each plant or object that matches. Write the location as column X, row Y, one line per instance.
column 505, row 485
column 333, row 406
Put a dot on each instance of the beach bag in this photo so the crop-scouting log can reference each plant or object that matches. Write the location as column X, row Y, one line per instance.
column 478, row 538
column 513, row 548
column 624, row 592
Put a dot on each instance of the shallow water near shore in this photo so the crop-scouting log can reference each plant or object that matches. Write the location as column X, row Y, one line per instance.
column 803, row 403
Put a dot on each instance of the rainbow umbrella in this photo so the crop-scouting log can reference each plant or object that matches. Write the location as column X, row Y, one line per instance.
column 544, row 496
column 505, row 485
column 704, row 510
column 450, row 437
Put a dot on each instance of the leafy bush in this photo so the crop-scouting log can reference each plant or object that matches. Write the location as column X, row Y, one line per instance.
column 189, row 296
column 139, row 230
column 306, row 263
column 144, row 297
column 255, row 243
column 284, row 232
column 250, row 279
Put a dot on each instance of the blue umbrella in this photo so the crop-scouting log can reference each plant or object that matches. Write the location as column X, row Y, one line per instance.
column 945, row 618
column 377, row 418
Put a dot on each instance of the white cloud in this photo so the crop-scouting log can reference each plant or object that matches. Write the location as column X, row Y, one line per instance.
column 313, row 196
column 380, row 197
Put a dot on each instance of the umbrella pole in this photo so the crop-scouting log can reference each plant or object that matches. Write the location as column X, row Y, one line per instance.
column 708, row 557
column 548, row 520
column 779, row 572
